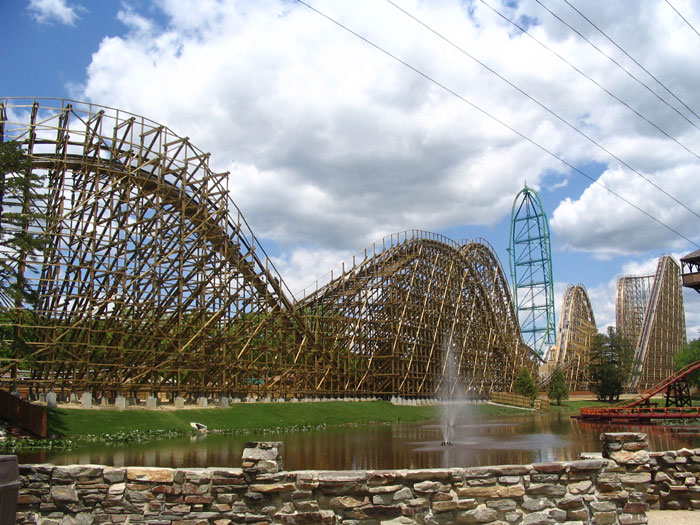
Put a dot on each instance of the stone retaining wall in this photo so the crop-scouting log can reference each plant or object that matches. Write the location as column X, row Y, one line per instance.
column 675, row 480
column 611, row 488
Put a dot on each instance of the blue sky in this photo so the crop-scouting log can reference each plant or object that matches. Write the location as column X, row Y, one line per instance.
column 331, row 144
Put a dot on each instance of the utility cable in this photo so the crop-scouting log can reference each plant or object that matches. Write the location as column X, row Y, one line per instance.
column 580, row 72
column 632, row 58
column 682, row 17
column 618, row 65
column 553, row 113
column 495, row 119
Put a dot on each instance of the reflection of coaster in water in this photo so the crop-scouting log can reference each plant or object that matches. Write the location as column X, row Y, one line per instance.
column 488, row 425
column 464, row 443
column 526, row 442
column 427, row 446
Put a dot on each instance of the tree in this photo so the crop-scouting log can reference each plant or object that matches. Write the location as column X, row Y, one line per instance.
column 22, row 243
column 558, row 389
column 689, row 353
column 610, row 365
column 525, row 384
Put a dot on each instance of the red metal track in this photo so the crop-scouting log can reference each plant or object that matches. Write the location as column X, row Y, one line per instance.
column 641, row 407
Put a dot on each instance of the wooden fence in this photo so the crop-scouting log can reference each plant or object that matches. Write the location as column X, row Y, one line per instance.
column 23, row 414
column 516, row 400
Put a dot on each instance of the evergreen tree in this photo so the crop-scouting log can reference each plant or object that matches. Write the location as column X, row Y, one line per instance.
column 22, row 242
column 524, row 384
column 689, row 353
column 610, row 365
column 558, row 389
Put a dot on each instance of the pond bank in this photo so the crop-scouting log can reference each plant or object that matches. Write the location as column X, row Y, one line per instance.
column 74, row 422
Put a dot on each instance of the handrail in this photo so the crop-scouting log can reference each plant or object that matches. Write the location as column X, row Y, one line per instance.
column 636, row 408
column 664, row 384
column 641, row 412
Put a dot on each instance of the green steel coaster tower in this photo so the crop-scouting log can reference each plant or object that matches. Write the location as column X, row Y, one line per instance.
column 531, row 271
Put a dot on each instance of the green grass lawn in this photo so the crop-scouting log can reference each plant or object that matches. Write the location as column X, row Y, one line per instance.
column 574, row 405
column 260, row 416
column 243, row 417
column 73, row 423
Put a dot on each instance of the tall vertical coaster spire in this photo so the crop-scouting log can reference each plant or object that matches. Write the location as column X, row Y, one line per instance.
column 531, row 271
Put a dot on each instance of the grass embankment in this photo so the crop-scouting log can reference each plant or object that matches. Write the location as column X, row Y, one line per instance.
column 74, row 423
column 68, row 427
column 572, row 405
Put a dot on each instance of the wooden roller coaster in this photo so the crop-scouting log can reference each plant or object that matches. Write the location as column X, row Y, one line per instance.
column 153, row 282
column 677, row 402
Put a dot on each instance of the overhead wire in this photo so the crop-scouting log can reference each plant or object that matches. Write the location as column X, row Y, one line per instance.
column 582, row 73
column 630, row 57
column 683, row 18
column 553, row 113
column 494, row 118
column 619, row 65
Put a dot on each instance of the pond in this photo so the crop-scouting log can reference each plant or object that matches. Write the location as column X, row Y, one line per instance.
column 477, row 441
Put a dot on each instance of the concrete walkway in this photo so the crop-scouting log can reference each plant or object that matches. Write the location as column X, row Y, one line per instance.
column 673, row 517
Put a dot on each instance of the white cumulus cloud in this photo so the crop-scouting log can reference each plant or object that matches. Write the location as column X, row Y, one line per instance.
column 333, row 144
column 46, row 11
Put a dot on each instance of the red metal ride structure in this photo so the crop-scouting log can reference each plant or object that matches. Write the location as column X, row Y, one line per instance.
column 677, row 406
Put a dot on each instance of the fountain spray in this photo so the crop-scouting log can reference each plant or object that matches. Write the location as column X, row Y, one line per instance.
column 451, row 391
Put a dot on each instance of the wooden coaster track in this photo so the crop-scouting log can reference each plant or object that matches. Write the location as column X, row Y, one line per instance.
column 153, row 281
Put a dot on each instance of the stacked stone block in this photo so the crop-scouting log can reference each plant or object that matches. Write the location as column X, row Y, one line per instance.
column 609, row 489
column 676, row 480
column 622, row 485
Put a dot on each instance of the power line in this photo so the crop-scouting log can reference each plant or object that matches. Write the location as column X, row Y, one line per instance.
column 551, row 112
column 682, row 17
column 632, row 59
column 582, row 73
column 495, row 119
column 618, row 65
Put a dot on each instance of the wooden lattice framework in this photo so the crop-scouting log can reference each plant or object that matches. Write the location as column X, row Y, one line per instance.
column 577, row 329
column 391, row 318
column 650, row 314
column 153, row 281
column 632, row 294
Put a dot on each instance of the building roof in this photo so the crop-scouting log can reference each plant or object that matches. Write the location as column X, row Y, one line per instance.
column 693, row 257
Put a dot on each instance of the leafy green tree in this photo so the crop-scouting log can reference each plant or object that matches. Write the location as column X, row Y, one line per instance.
column 610, row 365
column 22, row 242
column 689, row 353
column 558, row 389
column 524, row 384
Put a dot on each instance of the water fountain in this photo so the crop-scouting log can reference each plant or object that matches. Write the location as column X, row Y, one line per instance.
column 452, row 393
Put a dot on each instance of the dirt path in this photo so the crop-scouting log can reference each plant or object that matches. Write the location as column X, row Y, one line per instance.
column 673, row 517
